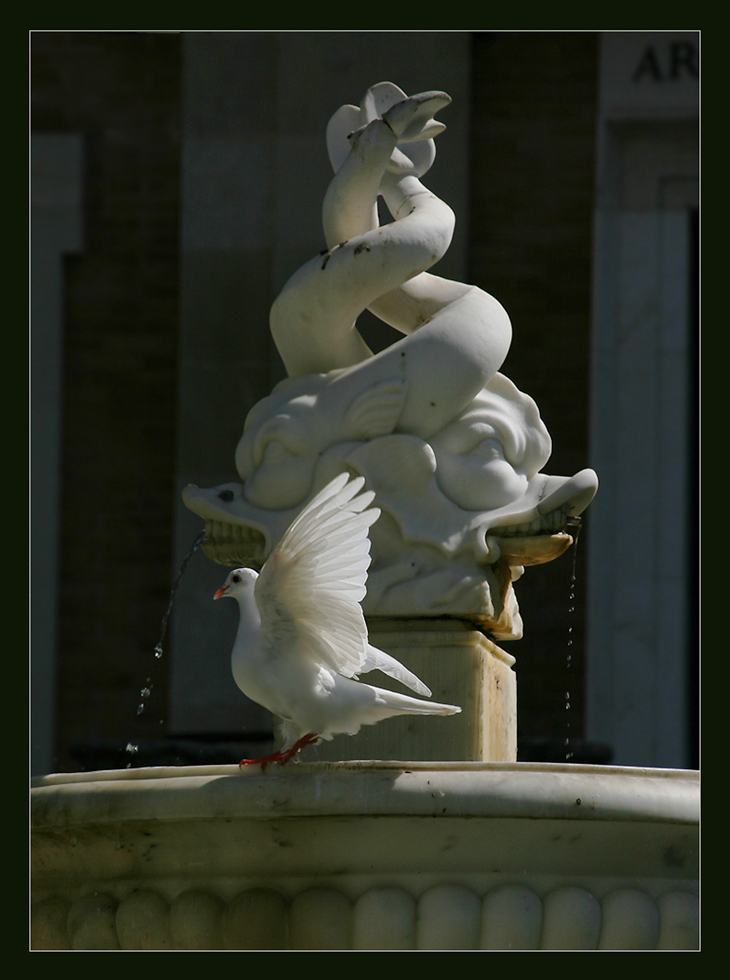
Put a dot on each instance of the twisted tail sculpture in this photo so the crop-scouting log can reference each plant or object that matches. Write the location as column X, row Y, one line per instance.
column 452, row 449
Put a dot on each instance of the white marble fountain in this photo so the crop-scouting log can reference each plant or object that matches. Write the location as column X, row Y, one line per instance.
column 414, row 834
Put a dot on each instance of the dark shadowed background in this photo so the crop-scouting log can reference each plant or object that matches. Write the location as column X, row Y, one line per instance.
column 177, row 180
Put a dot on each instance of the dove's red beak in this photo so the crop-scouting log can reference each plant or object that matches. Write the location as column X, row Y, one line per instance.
column 221, row 592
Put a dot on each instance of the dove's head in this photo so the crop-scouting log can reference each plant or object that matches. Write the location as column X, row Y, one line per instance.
column 240, row 582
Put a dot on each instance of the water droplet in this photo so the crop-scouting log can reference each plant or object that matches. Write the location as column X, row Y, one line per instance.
column 163, row 629
column 131, row 749
column 146, row 691
column 575, row 531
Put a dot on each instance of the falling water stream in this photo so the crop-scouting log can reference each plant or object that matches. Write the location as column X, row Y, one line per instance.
column 146, row 690
column 574, row 528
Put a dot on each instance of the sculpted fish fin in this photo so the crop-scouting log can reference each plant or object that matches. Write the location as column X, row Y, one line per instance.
column 376, row 412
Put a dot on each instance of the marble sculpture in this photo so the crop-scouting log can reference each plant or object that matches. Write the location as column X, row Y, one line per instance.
column 452, row 449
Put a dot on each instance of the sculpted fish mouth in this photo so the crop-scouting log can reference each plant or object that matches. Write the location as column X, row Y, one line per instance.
column 535, row 542
column 544, row 535
column 237, row 545
column 552, row 523
column 535, row 549
column 236, row 534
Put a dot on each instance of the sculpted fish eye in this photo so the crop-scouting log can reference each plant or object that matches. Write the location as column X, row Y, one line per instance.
column 275, row 450
column 281, row 437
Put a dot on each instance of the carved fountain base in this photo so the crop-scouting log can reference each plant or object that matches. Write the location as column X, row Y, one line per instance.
column 367, row 855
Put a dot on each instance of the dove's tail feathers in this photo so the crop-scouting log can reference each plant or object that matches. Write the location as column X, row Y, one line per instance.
column 401, row 704
column 379, row 660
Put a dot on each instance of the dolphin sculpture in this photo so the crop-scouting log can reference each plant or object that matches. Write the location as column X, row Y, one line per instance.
column 452, row 449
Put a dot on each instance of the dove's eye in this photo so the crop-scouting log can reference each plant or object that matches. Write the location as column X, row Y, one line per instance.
column 236, row 578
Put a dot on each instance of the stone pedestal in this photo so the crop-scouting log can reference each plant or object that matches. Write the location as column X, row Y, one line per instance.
column 461, row 666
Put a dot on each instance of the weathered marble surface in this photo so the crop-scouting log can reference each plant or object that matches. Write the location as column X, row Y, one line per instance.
column 453, row 450
column 367, row 856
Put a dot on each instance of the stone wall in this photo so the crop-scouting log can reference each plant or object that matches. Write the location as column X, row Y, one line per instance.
column 121, row 93
column 532, row 192
column 525, row 238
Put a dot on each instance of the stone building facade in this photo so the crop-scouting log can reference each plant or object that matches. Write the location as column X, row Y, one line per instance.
column 176, row 184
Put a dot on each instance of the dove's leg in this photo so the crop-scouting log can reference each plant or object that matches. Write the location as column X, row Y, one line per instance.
column 282, row 757
column 310, row 739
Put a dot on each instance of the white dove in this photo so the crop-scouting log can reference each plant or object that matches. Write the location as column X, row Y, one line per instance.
column 302, row 640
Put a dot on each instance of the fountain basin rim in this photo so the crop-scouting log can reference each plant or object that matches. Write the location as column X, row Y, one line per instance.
column 520, row 790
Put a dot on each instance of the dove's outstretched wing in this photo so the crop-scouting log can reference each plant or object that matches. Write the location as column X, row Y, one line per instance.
column 311, row 586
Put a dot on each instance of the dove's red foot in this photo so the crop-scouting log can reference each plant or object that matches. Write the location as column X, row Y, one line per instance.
column 281, row 757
